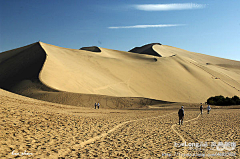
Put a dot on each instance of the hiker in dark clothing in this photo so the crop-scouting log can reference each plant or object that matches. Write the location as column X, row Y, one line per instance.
column 181, row 115
column 201, row 108
column 95, row 105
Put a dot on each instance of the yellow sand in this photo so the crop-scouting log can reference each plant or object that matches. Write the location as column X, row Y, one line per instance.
column 177, row 76
column 31, row 128
column 37, row 129
column 184, row 77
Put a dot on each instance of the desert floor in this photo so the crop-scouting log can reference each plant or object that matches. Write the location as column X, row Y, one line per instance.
column 35, row 129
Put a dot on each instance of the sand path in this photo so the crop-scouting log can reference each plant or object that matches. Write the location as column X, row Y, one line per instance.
column 143, row 137
column 112, row 130
column 182, row 138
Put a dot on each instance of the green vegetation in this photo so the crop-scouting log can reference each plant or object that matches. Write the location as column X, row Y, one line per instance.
column 221, row 100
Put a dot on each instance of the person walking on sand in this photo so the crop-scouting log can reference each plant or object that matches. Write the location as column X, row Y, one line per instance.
column 208, row 109
column 98, row 105
column 181, row 115
column 95, row 105
column 201, row 108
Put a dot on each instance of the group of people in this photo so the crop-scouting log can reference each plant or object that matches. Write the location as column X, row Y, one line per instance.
column 97, row 105
column 208, row 108
column 181, row 113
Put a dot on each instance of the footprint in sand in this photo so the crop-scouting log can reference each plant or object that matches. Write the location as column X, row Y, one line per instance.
column 103, row 135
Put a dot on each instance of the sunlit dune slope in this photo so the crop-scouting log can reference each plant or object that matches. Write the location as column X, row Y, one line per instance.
column 175, row 75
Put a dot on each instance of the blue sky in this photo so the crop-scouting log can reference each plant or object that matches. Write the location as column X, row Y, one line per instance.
column 208, row 26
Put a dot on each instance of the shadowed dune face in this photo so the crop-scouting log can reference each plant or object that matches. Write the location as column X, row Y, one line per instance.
column 146, row 49
column 79, row 77
column 24, row 63
column 92, row 48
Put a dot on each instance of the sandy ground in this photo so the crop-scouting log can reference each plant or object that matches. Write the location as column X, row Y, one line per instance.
column 35, row 129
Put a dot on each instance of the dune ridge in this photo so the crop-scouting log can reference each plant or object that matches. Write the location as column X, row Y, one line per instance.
column 146, row 49
column 19, row 64
column 156, row 73
column 91, row 48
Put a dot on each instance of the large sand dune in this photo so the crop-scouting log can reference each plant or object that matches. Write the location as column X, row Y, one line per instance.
column 154, row 71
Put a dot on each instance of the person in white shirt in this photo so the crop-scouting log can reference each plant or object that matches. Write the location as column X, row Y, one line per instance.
column 208, row 109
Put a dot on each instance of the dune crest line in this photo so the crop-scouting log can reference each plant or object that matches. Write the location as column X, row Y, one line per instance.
column 182, row 138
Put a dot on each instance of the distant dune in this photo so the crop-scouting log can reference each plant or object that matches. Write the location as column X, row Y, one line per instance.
column 148, row 74
column 91, row 48
column 146, row 49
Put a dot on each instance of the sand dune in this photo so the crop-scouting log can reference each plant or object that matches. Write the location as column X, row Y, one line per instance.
column 156, row 71
column 154, row 49
column 91, row 48
column 20, row 64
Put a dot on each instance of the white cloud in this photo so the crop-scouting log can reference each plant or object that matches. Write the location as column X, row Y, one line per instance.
column 167, row 7
column 146, row 26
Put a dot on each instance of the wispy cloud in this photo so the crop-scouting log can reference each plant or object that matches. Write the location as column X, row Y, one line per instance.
column 146, row 26
column 168, row 7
